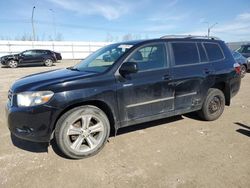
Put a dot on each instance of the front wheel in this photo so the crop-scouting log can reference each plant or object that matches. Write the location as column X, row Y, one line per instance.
column 82, row 131
column 213, row 105
column 12, row 63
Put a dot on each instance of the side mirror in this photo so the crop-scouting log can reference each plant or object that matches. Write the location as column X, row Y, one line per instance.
column 128, row 68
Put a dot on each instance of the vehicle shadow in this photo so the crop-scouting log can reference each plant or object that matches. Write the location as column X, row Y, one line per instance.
column 29, row 146
column 193, row 115
column 126, row 130
column 245, row 131
column 43, row 147
column 146, row 125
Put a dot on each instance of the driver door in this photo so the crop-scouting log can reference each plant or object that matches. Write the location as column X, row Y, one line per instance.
column 149, row 91
column 27, row 57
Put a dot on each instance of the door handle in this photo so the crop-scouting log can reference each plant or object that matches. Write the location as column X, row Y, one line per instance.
column 208, row 71
column 167, row 77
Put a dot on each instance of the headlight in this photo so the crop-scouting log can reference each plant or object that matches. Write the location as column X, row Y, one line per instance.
column 26, row 99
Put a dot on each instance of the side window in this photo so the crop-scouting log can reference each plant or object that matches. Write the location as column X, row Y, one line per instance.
column 38, row 52
column 203, row 56
column 149, row 57
column 213, row 51
column 185, row 53
column 28, row 53
column 247, row 49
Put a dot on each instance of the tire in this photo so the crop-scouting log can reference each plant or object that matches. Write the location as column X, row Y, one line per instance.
column 82, row 132
column 48, row 62
column 243, row 71
column 12, row 63
column 213, row 105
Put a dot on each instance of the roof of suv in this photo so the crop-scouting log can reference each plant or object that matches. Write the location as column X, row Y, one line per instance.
column 174, row 37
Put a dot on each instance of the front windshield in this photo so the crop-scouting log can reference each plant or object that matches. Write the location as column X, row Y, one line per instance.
column 103, row 58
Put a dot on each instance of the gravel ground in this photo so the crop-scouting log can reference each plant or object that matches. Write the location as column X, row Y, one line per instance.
column 176, row 152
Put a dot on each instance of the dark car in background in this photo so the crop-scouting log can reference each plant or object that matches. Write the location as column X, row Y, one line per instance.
column 244, row 63
column 150, row 79
column 31, row 57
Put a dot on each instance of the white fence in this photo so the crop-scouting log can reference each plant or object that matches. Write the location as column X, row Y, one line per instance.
column 68, row 50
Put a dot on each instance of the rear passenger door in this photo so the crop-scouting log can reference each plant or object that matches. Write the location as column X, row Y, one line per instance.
column 39, row 56
column 192, row 74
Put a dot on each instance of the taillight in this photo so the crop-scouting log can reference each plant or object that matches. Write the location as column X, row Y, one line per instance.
column 237, row 68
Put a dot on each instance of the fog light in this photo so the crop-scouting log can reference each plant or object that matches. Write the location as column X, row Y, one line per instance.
column 24, row 130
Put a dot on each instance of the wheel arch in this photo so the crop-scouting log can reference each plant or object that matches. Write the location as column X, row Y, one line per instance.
column 226, row 91
column 97, row 103
column 244, row 64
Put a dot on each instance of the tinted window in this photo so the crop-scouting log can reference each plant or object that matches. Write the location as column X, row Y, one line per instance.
column 203, row 56
column 213, row 51
column 246, row 49
column 39, row 52
column 185, row 53
column 29, row 53
column 149, row 57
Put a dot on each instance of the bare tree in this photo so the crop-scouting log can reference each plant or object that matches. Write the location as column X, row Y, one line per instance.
column 59, row 37
column 109, row 38
column 127, row 37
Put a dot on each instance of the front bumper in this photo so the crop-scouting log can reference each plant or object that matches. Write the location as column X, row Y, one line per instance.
column 3, row 62
column 33, row 123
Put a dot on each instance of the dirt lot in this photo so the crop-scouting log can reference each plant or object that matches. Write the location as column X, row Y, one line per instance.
column 174, row 152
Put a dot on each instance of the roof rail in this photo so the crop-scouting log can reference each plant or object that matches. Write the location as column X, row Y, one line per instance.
column 189, row 37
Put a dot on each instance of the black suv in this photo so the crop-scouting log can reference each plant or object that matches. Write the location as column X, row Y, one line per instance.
column 151, row 79
column 31, row 57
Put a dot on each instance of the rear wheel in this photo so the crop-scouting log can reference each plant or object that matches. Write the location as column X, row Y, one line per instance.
column 213, row 105
column 12, row 63
column 82, row 132
column 48, row 62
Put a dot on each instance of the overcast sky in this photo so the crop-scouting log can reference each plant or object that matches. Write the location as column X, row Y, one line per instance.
column 94, row 20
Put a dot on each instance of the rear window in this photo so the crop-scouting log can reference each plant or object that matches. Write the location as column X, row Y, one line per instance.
column 185, row 53
column 213, row 51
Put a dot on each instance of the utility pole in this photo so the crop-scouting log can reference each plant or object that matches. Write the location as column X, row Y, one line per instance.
column 53, row 22
column 32, row 21
column 209, row 27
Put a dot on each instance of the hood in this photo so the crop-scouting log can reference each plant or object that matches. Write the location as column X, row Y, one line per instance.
column 10, row 56
column 42, row 80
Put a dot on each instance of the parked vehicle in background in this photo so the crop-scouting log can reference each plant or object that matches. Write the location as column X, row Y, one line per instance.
column 149, row 80
column 245, row 64
column 245, row 50
column 31, row 57
column 58, row 56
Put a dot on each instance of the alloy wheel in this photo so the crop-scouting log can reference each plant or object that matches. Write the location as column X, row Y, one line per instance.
column 12, row 64
column 85, row 133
